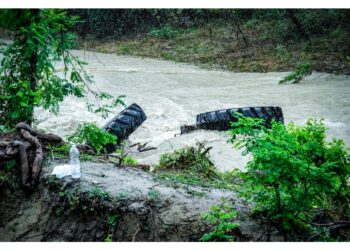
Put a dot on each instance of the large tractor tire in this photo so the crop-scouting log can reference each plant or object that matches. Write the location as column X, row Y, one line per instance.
column 220, row 119
column 125, row 123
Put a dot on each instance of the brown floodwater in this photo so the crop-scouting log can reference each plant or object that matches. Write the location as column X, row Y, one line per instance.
column 171, row 95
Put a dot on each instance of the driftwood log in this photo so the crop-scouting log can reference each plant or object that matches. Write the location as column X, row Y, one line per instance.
column 27, row 146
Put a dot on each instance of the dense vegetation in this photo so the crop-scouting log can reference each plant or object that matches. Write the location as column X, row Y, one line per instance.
column 296, row 178
column 241, row 40
column 89, row 133
column 41, row 39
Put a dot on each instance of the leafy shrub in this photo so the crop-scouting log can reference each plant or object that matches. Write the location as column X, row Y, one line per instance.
column 113, row 219
column 128, row 160
column 188, row 159
column 42, row 37
column 94, row 136
column 301, row 71
column 10, row 166
column 108, row 238
column 154, row 194
column 124, row 49
column 220, row 217
column 294, row 172
column 165, row 32
column 60, row 151
column 17, row 100
column 282, row 53
column 99, row 193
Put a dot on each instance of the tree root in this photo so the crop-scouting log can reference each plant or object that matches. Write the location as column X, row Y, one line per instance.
column 38, row 156
column 25, row 144
column 23, row 159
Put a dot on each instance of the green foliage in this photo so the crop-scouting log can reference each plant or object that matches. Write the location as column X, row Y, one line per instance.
column 3, row 128
column 221, row 218
column 215, row 35
column 188, row 159
column 282, row 53
column 301, row 71
column 60, row 151
column 108, row 238
column 128, row 160
column 20, row 100
column 227, row 180
column 102, row 23
column 99, row 193
column 154, row 194
column 294, row 170
column 124, row 49
column 71, row 198
column 113, row 219
column 53, row 183
column 164, row 32
column 94, row 136
column 42, row 38
column 10, row 165
column 112, row 222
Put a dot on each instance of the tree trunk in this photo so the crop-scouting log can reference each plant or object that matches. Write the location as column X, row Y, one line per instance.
column 33, row 61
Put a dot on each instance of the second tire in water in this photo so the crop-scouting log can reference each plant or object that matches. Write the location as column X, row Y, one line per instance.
column 221, row 119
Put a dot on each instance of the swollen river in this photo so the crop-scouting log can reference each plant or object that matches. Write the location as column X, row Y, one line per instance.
column 171, row 95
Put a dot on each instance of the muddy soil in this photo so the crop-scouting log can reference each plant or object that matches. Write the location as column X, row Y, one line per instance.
column 116, row 203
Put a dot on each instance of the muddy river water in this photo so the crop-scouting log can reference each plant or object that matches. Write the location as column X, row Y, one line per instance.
column 171, row 95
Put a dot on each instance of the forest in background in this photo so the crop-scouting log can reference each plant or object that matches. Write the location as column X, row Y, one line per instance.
column 255, row 40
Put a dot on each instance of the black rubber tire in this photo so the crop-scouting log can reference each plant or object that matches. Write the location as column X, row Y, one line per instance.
column 126, row 122
column 220, row 119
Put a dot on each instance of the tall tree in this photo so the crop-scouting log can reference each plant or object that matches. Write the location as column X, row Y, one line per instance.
column 42, row 37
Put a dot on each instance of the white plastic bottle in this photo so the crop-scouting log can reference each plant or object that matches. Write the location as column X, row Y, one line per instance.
column 74, row 162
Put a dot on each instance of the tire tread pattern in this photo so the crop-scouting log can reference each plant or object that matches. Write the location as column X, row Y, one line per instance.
column 126, row 122
column 221, row 119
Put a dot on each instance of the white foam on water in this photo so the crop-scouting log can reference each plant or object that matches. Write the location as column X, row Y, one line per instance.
column 173, row 94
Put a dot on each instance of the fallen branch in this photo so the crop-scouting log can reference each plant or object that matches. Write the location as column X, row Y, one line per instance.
column 142, row 147
column 332, row 224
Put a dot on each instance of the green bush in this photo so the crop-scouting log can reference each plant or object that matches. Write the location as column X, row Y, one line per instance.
column 294, row 172
column 188, row 159
column 165, row 32
column 221, row 218
column 128, row 160
column 99, row 193
column 282, row 53
column 301, row 71
column 90, row 134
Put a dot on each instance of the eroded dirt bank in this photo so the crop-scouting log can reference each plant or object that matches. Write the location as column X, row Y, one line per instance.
column 121, row 204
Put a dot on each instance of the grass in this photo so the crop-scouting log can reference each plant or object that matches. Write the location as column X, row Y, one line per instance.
column 216, row 46
column 97, row 192
column 228, row 180
column 192, row 167
column 154, row 194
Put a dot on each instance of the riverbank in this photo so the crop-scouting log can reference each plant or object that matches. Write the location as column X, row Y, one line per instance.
column 110, row 203
column 219, row 47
